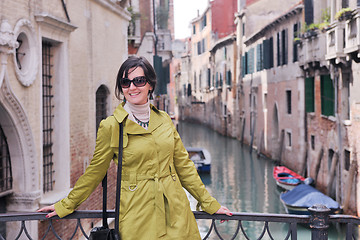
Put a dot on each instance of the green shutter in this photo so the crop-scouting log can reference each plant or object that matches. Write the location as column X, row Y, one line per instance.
column 228, row 77
column 327, row 96
column 309, row 95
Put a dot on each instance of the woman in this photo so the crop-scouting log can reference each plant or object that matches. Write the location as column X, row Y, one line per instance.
column 156, row 166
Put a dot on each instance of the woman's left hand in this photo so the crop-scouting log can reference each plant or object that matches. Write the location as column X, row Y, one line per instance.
column 224, row 210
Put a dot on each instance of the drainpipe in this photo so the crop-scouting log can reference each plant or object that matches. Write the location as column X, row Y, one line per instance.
column 154, row 18
column 65, row 10
column 339, row 191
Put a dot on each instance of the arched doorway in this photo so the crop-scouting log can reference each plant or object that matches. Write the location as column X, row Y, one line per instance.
column 6, row 179
column 275, row 132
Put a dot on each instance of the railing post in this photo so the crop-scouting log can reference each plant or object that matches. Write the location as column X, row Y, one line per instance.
column 319, row 222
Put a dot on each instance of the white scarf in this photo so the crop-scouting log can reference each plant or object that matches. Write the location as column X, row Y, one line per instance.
column 139, row 114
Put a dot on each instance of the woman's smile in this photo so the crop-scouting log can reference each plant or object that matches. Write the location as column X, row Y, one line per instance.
column 133, row 94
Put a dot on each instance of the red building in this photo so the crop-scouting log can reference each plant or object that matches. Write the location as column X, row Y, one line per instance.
column 222, row 20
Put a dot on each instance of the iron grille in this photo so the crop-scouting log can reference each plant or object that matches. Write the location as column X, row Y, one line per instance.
column 101, row 95
column 48, row 168
column 5, row 164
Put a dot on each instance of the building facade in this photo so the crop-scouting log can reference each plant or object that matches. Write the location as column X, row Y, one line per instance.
column 292, row 96
column 58, row 69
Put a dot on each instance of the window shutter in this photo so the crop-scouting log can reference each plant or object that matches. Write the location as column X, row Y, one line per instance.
column 258, row 57
column 189, row 90
column 251, row 61
column 285, row 46
column 309, row 11
column 309, row 95
column 228, row 77
column 271, row 57
column 327, row 96
column 278, row 45
column 208, row 77
column 266, row 53
column 242, row 66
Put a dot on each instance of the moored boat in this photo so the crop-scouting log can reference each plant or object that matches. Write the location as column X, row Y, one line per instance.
column 201, row 158
column 303, row 196
column 286, row 178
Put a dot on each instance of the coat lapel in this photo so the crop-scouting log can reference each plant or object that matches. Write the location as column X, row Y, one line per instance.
column 155, row 119
column 131, row 127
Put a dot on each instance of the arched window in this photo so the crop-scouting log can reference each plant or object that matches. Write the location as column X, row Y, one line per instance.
column 101, row 104
column 5, row 165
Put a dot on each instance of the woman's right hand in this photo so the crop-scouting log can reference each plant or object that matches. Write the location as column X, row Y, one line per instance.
column 50, row 209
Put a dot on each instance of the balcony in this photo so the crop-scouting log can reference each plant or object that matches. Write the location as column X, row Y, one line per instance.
column 352, row 36
column 312, row 49
column 335, row 42
column 318, row 222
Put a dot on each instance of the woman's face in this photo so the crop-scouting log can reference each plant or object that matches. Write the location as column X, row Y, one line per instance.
column 133, row 94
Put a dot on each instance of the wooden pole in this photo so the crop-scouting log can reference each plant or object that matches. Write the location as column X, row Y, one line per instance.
column 261, row 145
column 349, row 184
column 281, row 145
column 318, row 164
column 243, row 130
column 304, row 164
column 332, row 173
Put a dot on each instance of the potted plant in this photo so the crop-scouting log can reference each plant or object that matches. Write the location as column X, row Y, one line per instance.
column 297, row 40
column 310, row 31
column 343, row 14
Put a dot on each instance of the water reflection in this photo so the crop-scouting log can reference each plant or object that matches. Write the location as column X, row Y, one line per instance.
column 242, row 182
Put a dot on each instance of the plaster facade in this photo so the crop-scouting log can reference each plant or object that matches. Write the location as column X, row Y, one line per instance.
column 88, row 40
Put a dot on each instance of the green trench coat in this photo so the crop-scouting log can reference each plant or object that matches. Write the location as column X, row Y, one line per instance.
column 155, row 168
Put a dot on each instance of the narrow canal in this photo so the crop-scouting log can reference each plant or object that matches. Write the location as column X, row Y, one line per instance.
column 242, row 182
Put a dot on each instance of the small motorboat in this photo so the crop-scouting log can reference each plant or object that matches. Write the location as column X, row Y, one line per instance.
column 285, row 178
column 201, row 158
column 303, row 196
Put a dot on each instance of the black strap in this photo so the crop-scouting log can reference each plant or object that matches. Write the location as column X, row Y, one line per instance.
column 118, row 180
column 118, row 185
column 104, row 213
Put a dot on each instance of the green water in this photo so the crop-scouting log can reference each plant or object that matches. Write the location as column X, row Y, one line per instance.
column 242, row 182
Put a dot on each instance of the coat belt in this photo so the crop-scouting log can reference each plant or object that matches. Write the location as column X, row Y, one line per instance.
column 160, row 196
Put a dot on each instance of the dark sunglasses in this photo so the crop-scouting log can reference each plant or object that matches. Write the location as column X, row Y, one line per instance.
column 138, row 82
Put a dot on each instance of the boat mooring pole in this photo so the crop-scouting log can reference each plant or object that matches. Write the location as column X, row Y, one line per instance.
column 319, row 222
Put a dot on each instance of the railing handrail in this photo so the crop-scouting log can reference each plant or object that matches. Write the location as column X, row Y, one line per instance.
column 266, row 218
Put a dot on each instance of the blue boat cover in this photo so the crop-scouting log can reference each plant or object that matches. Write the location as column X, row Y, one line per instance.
column 306, row 196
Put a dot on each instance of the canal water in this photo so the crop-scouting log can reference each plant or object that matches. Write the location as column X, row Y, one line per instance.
column 242, row 182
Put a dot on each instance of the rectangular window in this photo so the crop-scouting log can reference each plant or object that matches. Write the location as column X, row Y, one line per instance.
column 296, row 34
column 309, row 94
column 312, row 142
column 199, row 50
column 208, row 77
column 282, row 41
column 327, row 96
column 194, row 29
column 48, row 115
column 288, row 101
column 203, row 23
column 289, row 143
column 268, row 53
column 347, row 160
column 265, row 100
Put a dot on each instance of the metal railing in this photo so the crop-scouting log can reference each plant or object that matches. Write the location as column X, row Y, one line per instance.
column 318, row 223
